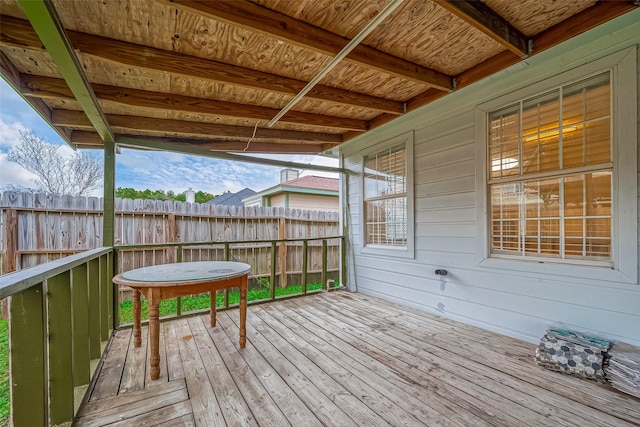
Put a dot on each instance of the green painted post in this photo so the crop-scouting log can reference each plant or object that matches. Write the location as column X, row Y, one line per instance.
column 343, row 259
column 323, row 278
column 105, row 300
column 28, row 366
column 227, row 257
column 116, row 295
column 60, row 348
column 109, row 192
column 274, row 256
column 94, row 309
column 80, row 325
column 305, row 260
column 108, row 260
column 179, row 299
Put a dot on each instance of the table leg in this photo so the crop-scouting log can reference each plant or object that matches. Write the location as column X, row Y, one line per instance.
column 243, row 311
column 137, row 340
column 154, row 340
column 212, row 309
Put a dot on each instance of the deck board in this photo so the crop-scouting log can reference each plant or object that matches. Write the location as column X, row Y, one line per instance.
column 342, row 359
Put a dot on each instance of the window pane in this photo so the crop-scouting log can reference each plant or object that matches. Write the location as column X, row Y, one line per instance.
column 387, row 221
column 504, row 142
column 598, row 142
column 385, row 173
column 598, row 193
column 561, row 215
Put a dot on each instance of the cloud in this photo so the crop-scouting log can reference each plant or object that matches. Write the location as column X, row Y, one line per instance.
column 9, row 133
column 13, row 173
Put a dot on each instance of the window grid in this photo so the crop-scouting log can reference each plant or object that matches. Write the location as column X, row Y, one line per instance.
column 385, row 197
column 522, row 223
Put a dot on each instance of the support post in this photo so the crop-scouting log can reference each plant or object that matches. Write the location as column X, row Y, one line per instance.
column 109, row 192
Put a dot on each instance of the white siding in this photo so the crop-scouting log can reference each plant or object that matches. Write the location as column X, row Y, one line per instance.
column 517, row 303
column 313, row 202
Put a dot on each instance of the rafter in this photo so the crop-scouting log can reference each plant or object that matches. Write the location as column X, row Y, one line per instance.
column 91, row 140
column 482, row 17
column 17, row 32
column 48, row 27
column 232, row 145
column 12, row 77
column 589, row 18
column 159, row 144
column 258, row 19
column 48, row 87
column 77, row 119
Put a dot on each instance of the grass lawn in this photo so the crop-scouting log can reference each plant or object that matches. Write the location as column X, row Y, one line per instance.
column 201, row 302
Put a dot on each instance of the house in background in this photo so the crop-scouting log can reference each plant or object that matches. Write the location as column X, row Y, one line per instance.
column 232, row 199
column 295, row 192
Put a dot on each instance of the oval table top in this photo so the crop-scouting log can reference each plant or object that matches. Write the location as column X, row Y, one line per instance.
column 187, row 272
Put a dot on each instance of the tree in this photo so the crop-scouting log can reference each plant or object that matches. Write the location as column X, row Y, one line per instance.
column 131, row 193
column 77, row 174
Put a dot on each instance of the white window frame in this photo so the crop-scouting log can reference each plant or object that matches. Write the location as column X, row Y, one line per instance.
column 624, row 125
column 394, row 251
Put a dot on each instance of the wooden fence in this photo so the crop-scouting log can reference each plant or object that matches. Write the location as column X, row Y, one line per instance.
column 36, row 228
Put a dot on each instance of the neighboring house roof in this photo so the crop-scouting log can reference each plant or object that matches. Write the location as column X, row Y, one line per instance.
column 316, row 182
column 232, row 199
column 309, row 184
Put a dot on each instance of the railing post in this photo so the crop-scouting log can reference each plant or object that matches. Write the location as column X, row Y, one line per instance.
column 305, row 260
column 227, row 257
column 105, row 301
column 272, row 290
column 323, row 277
column 29, row 403
column 94, row 309
column 178, row 299
column 80, row 325
column 60, row 348
column 108, row 282
column 343, row 261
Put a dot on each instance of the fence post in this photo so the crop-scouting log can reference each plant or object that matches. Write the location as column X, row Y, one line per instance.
column 273, row 271
column 305, row 260
column 9, row 260
column 282, row 254
column 324, row 264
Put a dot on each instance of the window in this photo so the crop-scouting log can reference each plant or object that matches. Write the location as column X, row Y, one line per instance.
column 550, row 174
column 550, row 179
column 387, row 194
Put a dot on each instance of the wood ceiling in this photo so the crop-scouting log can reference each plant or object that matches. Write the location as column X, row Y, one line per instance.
column 203, row 76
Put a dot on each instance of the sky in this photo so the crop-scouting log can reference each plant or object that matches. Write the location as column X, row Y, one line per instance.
column 138, row 169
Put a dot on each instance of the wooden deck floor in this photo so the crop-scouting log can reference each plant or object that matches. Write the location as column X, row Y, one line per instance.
column 342, row 359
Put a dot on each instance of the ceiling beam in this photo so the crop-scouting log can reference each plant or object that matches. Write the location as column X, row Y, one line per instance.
column 49, row 87
column 258, row 19
column 47, row 25
column 589, row 18
column 90, row 139
column 77, row 119
column 229, row 146
column 19, row 33
column 483, row 18
column 156, row 144
column 12, row 76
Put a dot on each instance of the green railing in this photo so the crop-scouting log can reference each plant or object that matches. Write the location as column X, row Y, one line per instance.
column 279, row 263
column 61, row 318
column 63, row 313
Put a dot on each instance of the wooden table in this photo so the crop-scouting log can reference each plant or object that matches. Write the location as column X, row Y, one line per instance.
column 174, row 280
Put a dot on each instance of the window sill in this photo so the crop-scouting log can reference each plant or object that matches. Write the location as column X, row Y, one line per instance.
column 388, row 251
column 537, row 266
